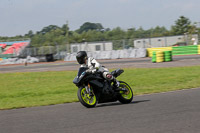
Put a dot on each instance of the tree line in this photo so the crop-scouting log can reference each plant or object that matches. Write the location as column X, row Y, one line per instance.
column 53, row 35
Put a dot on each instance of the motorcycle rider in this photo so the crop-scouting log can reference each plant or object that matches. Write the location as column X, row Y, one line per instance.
column 94, row 66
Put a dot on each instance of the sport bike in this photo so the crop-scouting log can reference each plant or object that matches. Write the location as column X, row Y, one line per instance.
column 93, row 88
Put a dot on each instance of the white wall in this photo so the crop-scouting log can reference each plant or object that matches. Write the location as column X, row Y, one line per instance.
column 113, row 54
column 162, row 41
column 100, row 46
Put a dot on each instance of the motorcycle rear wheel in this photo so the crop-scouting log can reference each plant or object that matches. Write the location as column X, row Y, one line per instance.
column 125, row 97
column 85, row 98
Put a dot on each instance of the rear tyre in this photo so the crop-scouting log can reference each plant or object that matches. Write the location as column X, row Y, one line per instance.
column 125, row 96
column 85, row 98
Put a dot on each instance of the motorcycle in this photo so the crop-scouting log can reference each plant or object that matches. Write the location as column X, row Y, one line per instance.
column 93, row 88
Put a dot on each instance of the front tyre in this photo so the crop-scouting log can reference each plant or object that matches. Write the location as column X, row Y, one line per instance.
column 86, row 99
column 127, row 95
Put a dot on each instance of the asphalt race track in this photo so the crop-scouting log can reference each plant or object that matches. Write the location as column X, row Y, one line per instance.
column 172, row 112
column 117, row 63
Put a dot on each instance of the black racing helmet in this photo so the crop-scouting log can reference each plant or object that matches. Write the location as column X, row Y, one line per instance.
column 81, row 56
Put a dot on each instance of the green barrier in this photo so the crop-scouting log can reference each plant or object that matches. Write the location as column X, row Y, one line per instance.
column 168, row 53
column 185, row 50
column 167, row 56
column 179, row 50
column 183, row 53
column 153, row 56
column 190, row 46
column 161, row 56
column 189, row 51
column 167, row 60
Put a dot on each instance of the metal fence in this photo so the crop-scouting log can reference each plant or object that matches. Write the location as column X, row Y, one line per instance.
column 166, row 41
column 60, row 51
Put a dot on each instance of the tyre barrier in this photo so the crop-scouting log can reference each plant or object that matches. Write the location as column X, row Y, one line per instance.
column 151, row 50
column 177, row 50
column 154, row 56
column 161, row 56
column 198, row 49
column 185, row 50
column 167, row 56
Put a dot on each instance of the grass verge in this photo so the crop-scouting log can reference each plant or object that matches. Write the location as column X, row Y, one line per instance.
column 29, row 89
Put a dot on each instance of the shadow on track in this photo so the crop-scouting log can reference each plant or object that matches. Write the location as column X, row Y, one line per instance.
column 118, row 103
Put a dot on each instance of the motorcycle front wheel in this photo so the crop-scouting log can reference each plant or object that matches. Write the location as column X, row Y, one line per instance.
column 86, row 99
column 127, row 95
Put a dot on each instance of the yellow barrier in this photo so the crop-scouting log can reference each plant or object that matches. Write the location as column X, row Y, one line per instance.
column 198, row 49
column 1, row 59
column 150, row 50
column 159, row 56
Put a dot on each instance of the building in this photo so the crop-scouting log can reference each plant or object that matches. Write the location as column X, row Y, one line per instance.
column 165, row 41
column 98, row 46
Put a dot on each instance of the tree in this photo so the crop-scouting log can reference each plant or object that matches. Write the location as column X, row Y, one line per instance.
column 141, row 33
column 130, row 34
column 182, row 25
column 90, row 26
column 158, row 31
column 65, row 29
column 48, row 29
column 115, row 34
column 30, row 34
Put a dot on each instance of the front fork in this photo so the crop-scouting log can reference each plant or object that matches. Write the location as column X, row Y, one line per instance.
column 88, row 90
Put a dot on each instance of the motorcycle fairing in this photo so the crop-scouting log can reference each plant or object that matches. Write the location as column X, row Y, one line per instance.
column 80, row 75
column 117, row 72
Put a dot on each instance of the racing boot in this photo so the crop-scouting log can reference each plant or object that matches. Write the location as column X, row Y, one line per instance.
column 113, row 79
column 116, row 82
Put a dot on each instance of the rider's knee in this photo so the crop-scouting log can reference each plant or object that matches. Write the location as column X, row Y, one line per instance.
column 108, row 75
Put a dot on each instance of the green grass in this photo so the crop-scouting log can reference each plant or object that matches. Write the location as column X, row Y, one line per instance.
column 46, row 88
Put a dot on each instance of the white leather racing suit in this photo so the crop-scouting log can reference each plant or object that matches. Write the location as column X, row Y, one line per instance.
column 94, row 66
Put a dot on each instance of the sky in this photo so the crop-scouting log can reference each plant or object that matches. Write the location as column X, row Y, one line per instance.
column 17, row 17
